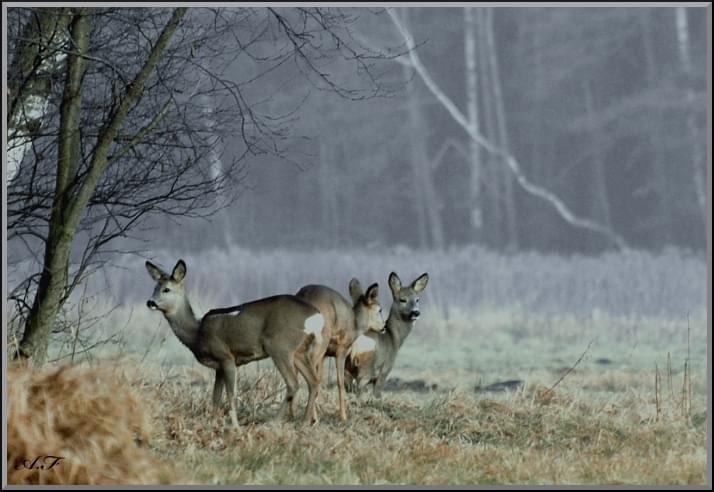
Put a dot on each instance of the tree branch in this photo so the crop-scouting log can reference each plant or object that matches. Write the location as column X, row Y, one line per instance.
column 510, row 161
column 99, row 160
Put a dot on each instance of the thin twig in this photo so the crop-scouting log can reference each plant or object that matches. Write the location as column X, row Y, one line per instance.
column 669, row 375
column 689, row 373
column 657, row 406
column 570, row 369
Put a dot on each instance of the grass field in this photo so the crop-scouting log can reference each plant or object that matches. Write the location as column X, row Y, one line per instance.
column 591, row 429
column 596, row 330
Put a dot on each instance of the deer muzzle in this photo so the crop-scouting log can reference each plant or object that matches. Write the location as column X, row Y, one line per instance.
column 152, row 305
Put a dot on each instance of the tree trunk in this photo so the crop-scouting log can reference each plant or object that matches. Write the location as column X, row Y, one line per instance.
column 600, row 197
column 224, row 222
column 541, row 150
column 659, row 168
column 53, row 279
column 493, row 222
column 509, row 203
column 697, row 159
column 426, row 200
column 472, row 118
column 70, row 199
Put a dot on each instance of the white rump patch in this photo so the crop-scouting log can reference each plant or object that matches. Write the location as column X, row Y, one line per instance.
column 361, row 345
column 314, row 324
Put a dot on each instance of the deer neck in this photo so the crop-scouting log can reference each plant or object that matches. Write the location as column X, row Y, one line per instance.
column 397, row 328
column 184, row 325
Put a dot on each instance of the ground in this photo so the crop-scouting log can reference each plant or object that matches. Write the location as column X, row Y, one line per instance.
column 608, row 356
column 438, row 423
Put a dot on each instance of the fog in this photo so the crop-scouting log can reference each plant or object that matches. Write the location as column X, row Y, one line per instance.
column 601, row 107
column 481, row 133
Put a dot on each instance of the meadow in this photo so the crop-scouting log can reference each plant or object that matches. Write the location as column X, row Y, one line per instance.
column 596, row 346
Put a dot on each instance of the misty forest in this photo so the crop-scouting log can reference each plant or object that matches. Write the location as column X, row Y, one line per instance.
column 546, row 168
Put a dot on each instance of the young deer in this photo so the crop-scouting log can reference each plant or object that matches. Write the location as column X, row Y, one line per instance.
column 372, row 355
column 281, row 327
column 343, row 324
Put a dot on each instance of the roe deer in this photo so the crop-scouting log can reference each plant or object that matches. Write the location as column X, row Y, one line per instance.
column 280, row 327
column 343, row 324
column 372, row 355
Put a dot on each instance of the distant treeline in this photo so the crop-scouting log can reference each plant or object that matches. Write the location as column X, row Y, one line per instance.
column 603, row 107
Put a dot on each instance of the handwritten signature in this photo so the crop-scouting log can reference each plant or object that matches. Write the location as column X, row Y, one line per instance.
column 45, row 462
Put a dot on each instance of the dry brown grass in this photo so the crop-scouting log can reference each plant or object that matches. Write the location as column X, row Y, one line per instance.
column 533, row 436
column 590, row 429
column 86, row 416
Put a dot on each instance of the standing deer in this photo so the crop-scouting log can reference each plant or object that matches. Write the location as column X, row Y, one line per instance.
column 280, row 327
column 343, row 324
column 372, row 355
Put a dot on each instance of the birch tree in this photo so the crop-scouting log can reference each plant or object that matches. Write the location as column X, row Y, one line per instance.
column 71, row 196
column 697, row 152
column 505, row 177
column 426, row 200
column 472, row 117
column 39, row 54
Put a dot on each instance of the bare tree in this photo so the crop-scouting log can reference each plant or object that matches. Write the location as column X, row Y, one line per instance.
column 72, row 193
column 472, row 115
column 496, row 95
column 426, row 200
column 526, row 184
column 600, row 196
column 697, row 152
column 129, row 136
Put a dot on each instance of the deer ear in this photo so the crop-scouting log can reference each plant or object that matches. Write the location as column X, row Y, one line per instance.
column 394, row 283
column 420, row 283
column 179, row 271
column 372, row 294
column 154, row 271
column 355, row 290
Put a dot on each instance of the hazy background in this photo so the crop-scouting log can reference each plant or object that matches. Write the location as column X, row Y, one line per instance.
column 604, row 107
column 599, row 107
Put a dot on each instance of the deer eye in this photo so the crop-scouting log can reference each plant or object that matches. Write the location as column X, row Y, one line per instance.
column 403, row 301
column 166, row 289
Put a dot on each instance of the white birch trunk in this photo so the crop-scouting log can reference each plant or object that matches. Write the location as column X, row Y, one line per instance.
column 472, row 116
column 31, row 104
column 685, row 60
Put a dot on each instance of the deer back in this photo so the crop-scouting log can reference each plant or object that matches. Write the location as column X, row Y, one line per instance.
column 339, row 318
column 245, row 330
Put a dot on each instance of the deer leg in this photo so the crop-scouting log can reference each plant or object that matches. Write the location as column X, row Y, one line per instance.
column 307, row 369
column 318, row 369
column 218, row 387
column 316, row 356
column 351, row 383
column 351, row 375
column 286, row 367
column 340, row 358
column 377, row 384
column 228, row 369
column 313, row 357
